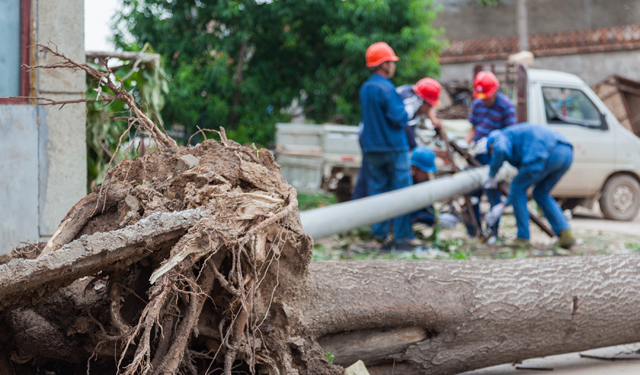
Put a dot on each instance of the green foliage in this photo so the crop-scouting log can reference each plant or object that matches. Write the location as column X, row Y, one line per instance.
column 241, row 63
column 148, row 84
column 311, row 201
column 329, row 356
column 488, row 3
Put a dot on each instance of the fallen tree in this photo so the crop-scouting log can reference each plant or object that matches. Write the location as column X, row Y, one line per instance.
column 193, row 260
column 410, row 317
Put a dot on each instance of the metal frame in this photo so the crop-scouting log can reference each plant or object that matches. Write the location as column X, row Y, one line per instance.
column 25, row 36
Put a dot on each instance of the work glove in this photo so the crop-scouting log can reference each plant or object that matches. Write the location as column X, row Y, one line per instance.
column 481, row 146
column 489, row 182
column 447, row 220
column 462, row 144
column 492, row 216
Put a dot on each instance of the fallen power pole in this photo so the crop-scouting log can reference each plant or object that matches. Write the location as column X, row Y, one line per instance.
column 342, row 217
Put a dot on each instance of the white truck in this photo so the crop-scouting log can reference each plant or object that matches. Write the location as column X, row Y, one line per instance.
column 606, row 164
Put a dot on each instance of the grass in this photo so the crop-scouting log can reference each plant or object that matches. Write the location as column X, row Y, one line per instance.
column 454, row 249
column 310, row 201
column 632, row 246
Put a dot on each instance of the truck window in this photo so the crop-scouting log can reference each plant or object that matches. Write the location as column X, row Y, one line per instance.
column 569, row 106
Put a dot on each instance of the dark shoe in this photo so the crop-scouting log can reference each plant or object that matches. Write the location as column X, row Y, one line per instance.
column 399, row 246
column 566, row 239
column 519, row 242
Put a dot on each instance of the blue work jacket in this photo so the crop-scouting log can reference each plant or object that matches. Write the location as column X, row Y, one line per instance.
column 523, row 146
column 383, row 116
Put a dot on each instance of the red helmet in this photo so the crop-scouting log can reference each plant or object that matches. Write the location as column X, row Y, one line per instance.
column 429, row 90
column 379, row 53
column 485, row 85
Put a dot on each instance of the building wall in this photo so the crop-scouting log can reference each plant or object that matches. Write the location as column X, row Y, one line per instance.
column 46, row 174
column 591, row 67
column 466, row 19
column 63, row 179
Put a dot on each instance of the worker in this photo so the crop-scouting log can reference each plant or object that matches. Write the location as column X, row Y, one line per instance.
column 420, row 100
column 490, row 110
column 542, row 157
column 422, row 166
column 384, row 143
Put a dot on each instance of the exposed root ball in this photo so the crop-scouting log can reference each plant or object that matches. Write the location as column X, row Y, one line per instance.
column 209, row 300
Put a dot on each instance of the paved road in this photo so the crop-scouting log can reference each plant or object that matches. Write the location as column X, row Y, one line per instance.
column 593, row 220
column 627, row 362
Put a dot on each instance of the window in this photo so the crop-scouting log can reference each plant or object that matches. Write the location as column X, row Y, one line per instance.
column 570, row 106
column 14, row 40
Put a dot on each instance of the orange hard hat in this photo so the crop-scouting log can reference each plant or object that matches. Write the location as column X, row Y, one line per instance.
column 429, row 90
column 379, row 53
column 485, row 85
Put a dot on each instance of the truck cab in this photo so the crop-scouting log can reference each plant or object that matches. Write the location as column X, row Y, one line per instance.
column 606, row 162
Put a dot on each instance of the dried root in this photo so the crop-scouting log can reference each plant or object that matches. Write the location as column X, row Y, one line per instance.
column 208, row 299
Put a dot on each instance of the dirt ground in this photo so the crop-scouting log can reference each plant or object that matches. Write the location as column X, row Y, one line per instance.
column 594, row 234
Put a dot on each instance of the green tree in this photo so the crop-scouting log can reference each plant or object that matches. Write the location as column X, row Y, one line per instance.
column 146, row 80
column 241, row 63
column 488, row 3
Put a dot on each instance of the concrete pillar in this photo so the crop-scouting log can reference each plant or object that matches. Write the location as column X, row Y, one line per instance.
column 523, row 26
column 62, row 134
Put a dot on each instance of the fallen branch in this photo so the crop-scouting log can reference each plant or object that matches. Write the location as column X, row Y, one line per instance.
column 22, row 279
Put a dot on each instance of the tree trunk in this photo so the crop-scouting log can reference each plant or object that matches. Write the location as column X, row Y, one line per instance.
column 446, row 317
column 211, row 265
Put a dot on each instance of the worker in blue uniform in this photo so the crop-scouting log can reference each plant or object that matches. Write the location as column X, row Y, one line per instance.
column 384, row 143
column 423, row 163
column 420, row 101
column 542, row 157
column 490, row 110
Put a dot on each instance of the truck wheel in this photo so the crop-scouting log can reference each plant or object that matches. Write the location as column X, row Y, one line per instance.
column 620, row 198
column 343, row 192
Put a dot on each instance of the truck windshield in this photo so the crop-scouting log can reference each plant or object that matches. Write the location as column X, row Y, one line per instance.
column 569, row 106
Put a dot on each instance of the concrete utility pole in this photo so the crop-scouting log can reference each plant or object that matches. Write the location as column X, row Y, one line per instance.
column 340, row 218
column 523, row 28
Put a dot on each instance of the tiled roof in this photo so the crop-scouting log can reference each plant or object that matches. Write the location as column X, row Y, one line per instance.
column 564, row 43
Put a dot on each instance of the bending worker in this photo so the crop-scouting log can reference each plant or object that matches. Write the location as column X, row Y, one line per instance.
column 384, row 143
column 491, row 110
column 542, row 156
column 423, row 163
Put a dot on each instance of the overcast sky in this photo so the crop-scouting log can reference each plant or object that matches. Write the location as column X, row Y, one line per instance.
column 97, row 24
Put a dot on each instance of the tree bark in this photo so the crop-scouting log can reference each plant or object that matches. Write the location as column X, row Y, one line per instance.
column 23, row 280
column 446, row 317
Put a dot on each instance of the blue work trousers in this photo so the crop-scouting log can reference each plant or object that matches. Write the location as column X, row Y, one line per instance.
column 493, row 195
column 544, row 180
column 361, row 189
column 387, row 171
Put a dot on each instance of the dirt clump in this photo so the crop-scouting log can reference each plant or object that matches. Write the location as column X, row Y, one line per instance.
column 209, row 298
